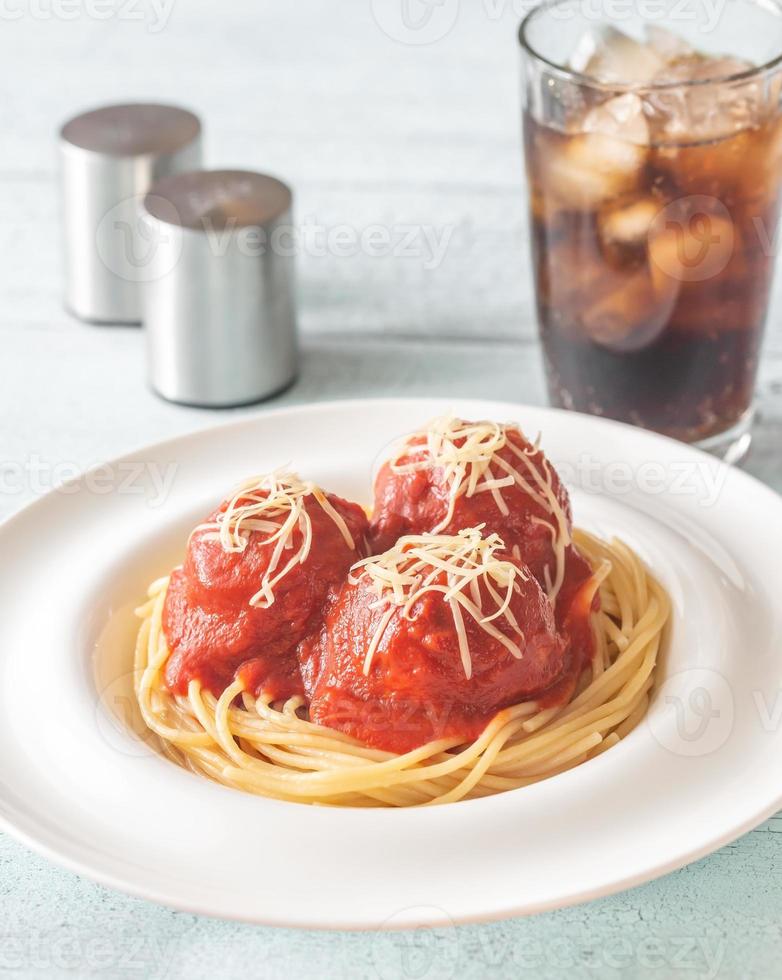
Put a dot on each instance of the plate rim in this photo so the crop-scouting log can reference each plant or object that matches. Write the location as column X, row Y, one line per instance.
column 433, row 400
column 159, row 893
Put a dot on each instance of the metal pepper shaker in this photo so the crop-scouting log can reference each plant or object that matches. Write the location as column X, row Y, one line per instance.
column 109, row 158
column 218, row 304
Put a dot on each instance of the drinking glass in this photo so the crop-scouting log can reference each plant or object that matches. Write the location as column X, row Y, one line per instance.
column 653, row 145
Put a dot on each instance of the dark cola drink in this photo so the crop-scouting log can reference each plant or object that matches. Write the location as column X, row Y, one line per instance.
column 654, row 211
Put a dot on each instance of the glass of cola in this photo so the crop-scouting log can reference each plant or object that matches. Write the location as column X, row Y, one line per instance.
column 653, row 144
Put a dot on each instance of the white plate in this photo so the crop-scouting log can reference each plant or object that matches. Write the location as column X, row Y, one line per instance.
column 77, row 785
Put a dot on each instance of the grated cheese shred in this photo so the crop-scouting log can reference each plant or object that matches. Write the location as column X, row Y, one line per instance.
column 469, row 455
column 273, row 505
column 455, row 566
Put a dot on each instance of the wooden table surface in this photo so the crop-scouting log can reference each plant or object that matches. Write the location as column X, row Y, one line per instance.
column 373, row 130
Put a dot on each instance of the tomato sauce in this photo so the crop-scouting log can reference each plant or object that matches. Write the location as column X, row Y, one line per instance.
column 312, row 640
column 214, row 633
column 576, row 602
column 417, row 689
column 417, row 502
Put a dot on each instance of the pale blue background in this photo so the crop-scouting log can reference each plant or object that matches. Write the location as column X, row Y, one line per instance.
column 370, row 131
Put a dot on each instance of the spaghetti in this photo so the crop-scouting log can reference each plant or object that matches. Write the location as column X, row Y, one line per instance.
column 273, row 749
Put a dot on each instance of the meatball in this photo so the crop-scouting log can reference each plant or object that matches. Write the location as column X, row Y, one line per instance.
column 460, row 474
column 254, row 583
column 403, row 664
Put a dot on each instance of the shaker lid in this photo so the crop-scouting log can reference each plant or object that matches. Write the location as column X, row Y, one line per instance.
column 132, row 130
column 219, row 198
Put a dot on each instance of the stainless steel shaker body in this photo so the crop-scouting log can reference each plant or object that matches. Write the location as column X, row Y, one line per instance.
column 219, row 309
column 109, row 158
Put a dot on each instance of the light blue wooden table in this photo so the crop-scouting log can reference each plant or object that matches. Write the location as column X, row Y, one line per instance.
column 420, row 140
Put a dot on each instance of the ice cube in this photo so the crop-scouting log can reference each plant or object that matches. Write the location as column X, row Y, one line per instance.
column 667, row 45
column 626, row 314
column 609, row 55
column 591, row 168
column 706, row 111
column 628, row 223
column 690, row 243
column 702, row 68
column 622, row 117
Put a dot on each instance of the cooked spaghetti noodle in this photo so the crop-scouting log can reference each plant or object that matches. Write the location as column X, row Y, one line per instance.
column 273, row 750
